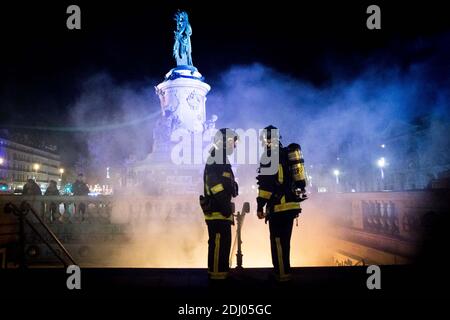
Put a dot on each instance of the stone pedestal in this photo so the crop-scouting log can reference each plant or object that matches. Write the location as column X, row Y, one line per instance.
column 183, row 107
column 183, row 98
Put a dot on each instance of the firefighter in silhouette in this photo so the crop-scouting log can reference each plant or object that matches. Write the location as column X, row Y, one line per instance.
column 219, row 188
column 281, row 188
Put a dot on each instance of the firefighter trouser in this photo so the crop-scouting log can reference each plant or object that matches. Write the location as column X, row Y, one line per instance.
column 280, row 227
column 219, row 246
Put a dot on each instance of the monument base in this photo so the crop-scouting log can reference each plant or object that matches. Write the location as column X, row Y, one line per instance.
column 189, row 72
column 183, row 96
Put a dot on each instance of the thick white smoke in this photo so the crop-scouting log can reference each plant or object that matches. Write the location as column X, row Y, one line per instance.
column 341, row 116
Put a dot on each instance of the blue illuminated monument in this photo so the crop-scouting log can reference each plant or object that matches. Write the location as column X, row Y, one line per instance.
column 182, row 96
column 183, row 92
column 182, row 50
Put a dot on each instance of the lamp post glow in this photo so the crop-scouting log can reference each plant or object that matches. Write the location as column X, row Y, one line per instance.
column 336, row 173
column 2, row 161
column 36, row 167
column 61, row 171
column 381, row 163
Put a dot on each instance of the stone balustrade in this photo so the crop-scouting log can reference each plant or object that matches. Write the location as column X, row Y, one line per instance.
column 367, row 225
column 90, row 226
column 395, row 214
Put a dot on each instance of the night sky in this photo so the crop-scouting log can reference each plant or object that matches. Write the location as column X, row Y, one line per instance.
column 44, row 64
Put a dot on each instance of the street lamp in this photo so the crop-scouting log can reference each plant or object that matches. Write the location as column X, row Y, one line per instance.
column 2, row 161
column 381, row 163
column 61, row 171
column 336, row 173
column 36, row 167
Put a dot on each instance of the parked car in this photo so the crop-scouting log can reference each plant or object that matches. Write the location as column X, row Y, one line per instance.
column 4, row 188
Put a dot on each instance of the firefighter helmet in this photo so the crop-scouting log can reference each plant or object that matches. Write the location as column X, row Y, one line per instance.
column 225, row 139
column 223, row 135
column 270, row 135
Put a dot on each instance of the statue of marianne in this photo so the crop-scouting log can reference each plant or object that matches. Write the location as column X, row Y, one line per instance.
column 182, row 48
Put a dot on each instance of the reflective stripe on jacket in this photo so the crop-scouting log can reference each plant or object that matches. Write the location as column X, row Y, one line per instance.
column 220, row 185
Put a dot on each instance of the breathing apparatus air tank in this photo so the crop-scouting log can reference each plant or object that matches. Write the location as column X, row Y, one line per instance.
column 297, row 169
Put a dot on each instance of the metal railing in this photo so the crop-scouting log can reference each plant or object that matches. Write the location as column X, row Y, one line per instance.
column 66, row 209
column 21, row 213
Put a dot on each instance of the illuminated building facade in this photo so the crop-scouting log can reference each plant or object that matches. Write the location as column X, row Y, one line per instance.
column 403, row 157
column 19, row 162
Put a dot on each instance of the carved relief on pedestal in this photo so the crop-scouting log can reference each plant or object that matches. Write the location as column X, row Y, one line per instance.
column 169, row 100
column 194, row 100
column 183, row 103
